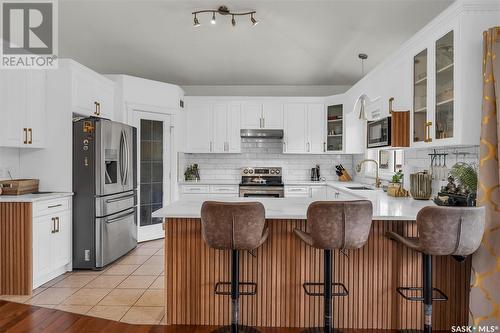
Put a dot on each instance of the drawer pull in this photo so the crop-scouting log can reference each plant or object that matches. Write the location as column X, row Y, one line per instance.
column 54, row 206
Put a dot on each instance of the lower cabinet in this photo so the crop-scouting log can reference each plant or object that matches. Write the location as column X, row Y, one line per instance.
column 51, row 239
column 211, row 190
column 317, row 192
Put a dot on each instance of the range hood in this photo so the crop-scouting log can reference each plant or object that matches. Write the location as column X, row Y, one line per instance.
column 262, row 133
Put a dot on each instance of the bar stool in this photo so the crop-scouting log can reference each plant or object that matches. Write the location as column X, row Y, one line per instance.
column 234, row 226
column 334, row 225
column 443, row 231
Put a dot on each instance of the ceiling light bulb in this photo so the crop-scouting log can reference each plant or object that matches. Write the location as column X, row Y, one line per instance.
column 213, row 18
column 196, row 22
column 254, row 21
column 233, row 21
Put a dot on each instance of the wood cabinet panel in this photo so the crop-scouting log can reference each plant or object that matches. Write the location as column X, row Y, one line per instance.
column 283, row 263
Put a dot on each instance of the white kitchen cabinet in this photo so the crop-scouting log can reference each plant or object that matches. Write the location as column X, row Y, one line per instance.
column 316, row 128
column 92, row 93
column 272, row 115
column 251, row 116
column 198, row 132
column 317, row 192
column 51, row 239
column 303, row 128
column 213, row 128
column 267, row 115
column 210, row 190
column 22, row 108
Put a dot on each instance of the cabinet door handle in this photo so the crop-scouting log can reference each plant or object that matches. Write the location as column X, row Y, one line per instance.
column 324, row 147
column 30, row 131
column 308, row 146
column 210, row 146
column 53, row 231
column 284, row 146
column 99, row 108
column 54, row 206
column 25, row 130
column 263, row 122
column 428, row 131
column 57, row 221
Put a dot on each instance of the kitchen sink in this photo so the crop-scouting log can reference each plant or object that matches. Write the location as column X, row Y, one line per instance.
column 359, row 188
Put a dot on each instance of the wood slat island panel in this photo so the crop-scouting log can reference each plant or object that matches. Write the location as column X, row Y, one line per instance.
column 284, row 262
column 15, row 248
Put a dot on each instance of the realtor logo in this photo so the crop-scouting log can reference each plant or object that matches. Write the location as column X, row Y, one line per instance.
column 29, row 37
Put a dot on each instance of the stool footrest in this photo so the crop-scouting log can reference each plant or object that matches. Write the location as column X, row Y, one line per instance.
column 404, row 291
column 343, row 290
column 219, row 286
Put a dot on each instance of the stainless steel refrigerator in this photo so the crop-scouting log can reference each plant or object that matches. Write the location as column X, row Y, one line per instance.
column 105, row 196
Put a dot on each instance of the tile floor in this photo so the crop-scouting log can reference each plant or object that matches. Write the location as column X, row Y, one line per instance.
column 130, row 290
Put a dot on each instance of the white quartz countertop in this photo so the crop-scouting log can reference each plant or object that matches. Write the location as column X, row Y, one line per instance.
column 209, row 182
column 34, row 197
column 384, row 206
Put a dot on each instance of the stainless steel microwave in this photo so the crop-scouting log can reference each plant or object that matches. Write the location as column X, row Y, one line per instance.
column 379, row 133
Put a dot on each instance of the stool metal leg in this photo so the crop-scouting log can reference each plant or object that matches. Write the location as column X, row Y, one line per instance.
column 235, row 300
column 328, row 291
column 235, row 304
column 427, row 279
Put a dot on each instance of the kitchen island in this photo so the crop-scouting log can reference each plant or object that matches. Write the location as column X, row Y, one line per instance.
column 283, row 263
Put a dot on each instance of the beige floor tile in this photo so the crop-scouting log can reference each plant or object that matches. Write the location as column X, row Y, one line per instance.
column 120, row 270
column 152, row 297
column 75, row 281
column 122, row 297
column 141, row 251
column 157, row 244
column 15, row 298
column 114, row 312
column 137, row 282
column 106, row 281
column 52, row 296
column 54, row 281
column 86, row 296
column 144, row 315
column 155, row 260
column 160, row 252
column 159, row 283
column 48, row 306
column 149, row 270
column 80, row 309
column 133, row 260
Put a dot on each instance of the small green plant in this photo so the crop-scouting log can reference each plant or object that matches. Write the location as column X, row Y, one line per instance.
column 192, row 172
column 466, row 175
column 397, row 177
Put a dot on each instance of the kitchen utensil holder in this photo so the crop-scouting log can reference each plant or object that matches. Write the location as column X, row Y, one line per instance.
column 345, row 177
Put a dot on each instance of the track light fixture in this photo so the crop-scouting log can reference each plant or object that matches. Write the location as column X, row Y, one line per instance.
column 223, row 10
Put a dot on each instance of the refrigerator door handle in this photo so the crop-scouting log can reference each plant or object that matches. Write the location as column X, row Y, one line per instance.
column 121, row 217
column 127, row 159
column 122, row 157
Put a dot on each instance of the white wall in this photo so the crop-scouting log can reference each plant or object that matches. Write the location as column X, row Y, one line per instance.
column 9, row 161
column 264, row 90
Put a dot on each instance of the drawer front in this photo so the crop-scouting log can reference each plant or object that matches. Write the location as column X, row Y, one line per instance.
column 224, row 189
column 296, row 191
column 195, row 189
column 53, row 206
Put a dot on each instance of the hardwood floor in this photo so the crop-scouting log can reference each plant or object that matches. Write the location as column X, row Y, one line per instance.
column 19, row 318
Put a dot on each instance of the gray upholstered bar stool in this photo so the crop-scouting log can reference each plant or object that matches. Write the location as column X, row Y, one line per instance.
column 334, row 225
column 443, row 231
column 234, row 226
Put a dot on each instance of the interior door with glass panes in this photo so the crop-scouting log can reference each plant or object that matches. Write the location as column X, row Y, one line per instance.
column 154, row 144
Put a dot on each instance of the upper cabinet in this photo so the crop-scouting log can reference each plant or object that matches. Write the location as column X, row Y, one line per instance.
column 303, row 128
column 334, row 128
column 213, row 127
column 23, row 108
column 268, row 115
column 92, row 94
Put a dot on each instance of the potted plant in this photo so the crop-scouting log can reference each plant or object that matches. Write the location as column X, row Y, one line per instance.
column 192, row 173
column 395, row 188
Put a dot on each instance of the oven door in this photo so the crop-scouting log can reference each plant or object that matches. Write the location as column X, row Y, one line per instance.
column 379, row 133
column 261, row 192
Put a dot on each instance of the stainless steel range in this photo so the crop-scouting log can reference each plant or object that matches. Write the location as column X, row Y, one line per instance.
column 261, row 182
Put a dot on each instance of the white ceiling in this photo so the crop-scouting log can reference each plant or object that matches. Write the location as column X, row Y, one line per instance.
column 296, row 42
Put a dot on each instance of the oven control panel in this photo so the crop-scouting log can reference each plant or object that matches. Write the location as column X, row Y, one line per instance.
column 261, row 171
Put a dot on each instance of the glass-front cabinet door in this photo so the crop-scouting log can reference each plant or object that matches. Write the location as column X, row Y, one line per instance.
column 443, row 128
column 334, row 128
column 420, row 110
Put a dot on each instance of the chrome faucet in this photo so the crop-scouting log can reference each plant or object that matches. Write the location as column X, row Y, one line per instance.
column 378, row 182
